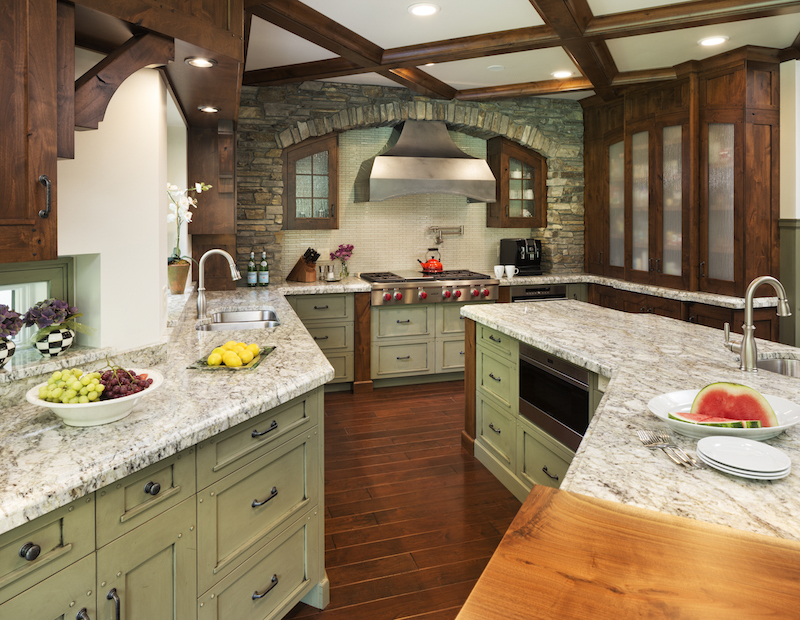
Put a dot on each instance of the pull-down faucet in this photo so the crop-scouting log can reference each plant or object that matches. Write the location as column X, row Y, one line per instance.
column 747, row 348
column 201, row 287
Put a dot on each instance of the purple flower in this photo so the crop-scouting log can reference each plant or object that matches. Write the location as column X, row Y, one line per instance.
column 10, row 322
column 49, row 312
column 343, row 253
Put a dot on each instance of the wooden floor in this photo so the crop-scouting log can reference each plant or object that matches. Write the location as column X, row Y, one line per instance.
column 411, row 519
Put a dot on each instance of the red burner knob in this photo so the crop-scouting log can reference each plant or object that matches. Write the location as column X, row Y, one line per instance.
column 387, row 297
column 485, row 292
column 398, row 296
column 423, row 295
column 447, row 294
column 475, row 292
column 457, row 294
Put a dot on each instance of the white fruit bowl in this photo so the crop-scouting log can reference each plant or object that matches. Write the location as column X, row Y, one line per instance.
column 101, row 411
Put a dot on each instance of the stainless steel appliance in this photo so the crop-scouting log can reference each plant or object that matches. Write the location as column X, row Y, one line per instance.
column 541, row 292
column 554, row 395
column 430, row 288
column 525, row 254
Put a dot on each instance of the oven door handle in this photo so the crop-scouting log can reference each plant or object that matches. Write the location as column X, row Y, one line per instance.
column 558, row 374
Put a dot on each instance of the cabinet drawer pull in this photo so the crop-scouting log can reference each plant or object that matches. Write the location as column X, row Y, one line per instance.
column 112, row 595
column 320, row 337
column 658, row 265
column 320, row 307
column 493, row 339
column 83, row 614
column 496, row 430
column 272, row 583
column 272, row 494
column 152, row 488
column 703, row 269
column 461, row 353
column 405, row 357
column 495, row 378
column 549, row 475
column 406, row 321
column 30, row 551
column 45, row 180
column 257, row 433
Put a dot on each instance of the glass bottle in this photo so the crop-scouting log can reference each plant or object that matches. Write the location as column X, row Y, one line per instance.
column 263, row 270
column 252, row 276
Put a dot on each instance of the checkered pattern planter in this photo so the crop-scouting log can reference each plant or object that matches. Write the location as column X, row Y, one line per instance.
column 56, row 342
column 7, row 349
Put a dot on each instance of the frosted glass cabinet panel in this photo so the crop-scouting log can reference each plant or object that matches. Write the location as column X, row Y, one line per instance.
column 720, row 200
column 640, row 223
column 310, row 176
column 672, row 200
column 616, row 204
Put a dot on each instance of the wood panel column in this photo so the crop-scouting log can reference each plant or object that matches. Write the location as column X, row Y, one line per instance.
column 362, row 380
column 468, row 434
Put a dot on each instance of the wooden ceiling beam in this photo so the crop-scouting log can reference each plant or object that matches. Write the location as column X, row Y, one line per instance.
column 420, row 81
column 527, row 89
column 317, row 70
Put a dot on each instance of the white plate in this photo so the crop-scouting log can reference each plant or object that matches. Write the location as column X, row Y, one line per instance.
column 740, row 473
column 744, row 454
column 100, row 411
column 707, row 459
column 787, row 412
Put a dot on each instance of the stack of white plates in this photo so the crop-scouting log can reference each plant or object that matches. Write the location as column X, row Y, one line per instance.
column 744, row 457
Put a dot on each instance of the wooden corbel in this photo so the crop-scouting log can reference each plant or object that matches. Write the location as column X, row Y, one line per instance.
column 94, row 89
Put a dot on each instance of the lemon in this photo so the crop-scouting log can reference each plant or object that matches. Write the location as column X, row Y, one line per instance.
column 227, row 346
column 219, row 350
column 237, row 349
column 215, row 359
column 231, row 359
column 242, row 344
column 246, row 356
column 254, row 349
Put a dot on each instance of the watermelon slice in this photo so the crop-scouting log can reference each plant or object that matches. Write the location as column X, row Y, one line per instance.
column 708, row 420
column 733, row 401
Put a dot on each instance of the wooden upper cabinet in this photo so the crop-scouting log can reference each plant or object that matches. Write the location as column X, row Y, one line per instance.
column 521, row 176
column 311, row 182
column 28, row 128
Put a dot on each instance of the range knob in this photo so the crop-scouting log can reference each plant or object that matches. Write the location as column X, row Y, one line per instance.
column 475, row 292
column 398, row 295
column 485, row 292
column 447, row 294
column 457, row 294
column 422, row 295
column 387, row 297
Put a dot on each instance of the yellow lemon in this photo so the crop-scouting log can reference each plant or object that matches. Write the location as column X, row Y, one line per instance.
column 247, row 356
column 219, row 350
column 227, row 346
column 242, row 344
column 237, row 349
column 254, row 349
column 215, row 359
column 231, row 359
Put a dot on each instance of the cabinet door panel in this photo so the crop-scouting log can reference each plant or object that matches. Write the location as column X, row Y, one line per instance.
column 616, row 206
column 402, row 321
column 540, row 458
column 498, row 378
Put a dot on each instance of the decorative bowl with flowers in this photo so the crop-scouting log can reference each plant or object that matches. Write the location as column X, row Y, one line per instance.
column 10, row 324
column 55, row 319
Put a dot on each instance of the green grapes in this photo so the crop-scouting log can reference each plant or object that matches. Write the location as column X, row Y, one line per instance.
column 72, row 386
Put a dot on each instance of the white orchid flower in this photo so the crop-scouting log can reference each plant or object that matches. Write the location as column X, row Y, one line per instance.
column 171, row 217
column 198, row 187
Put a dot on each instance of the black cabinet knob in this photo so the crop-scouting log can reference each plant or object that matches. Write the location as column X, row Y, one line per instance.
column 152, row 488
column 30, row 551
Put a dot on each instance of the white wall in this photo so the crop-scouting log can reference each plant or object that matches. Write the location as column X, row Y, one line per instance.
column 790, row 123
column 112, row 208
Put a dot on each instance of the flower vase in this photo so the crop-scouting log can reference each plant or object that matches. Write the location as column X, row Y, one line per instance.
column 345, row 270
column 7, row 350
column 176, row 275
column 55, row 342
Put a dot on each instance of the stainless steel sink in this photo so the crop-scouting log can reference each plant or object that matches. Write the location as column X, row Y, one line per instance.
column 780, row 365
column 224, row 327
column 240, row 316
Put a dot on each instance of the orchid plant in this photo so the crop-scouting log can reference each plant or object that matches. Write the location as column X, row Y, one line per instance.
column 53, row 314
column 180, row 202
column 10, row 322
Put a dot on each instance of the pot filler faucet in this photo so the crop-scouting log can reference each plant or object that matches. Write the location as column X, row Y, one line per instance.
column 201, row 289
column 747, row 348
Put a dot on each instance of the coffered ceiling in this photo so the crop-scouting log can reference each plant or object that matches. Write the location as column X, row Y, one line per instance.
column 483, row 49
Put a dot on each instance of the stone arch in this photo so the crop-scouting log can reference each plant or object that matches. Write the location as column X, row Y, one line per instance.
column 467, row 117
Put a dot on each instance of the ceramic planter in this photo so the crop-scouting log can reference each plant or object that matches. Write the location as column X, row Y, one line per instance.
column 7, row 350
column 176, row 275
column 56, row 342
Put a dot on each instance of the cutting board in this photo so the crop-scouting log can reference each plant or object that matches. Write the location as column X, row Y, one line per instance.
column 571, row 556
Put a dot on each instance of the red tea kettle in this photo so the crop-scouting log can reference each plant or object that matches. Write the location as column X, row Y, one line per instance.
column 433, row 265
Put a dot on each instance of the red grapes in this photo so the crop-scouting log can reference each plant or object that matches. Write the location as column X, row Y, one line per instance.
column 119, row 382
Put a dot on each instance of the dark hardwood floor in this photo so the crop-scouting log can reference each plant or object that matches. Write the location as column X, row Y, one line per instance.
column 411, row 519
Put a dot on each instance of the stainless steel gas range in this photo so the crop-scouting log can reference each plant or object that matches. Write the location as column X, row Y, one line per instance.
column 395, row 289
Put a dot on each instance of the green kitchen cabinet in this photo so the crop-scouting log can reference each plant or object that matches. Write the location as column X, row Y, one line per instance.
column 578, row 291
column 540, row 458
column 330, row 319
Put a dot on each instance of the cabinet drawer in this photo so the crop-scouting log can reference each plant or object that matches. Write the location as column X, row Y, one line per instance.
column 406, row 358
column 63, row 536
column 403, row 321
column 333, row 337
column 450, row 355
column 277, row 573
column 497, row 431
column 497, row 342
column 235, row 514
column 330, row 307
column 498, row 377
column 126, row 504
column 449, row 321
column 540, row 458
column 242, row 444
column 343, row 366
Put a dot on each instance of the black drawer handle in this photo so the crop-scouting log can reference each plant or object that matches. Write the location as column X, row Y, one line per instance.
column 113, row 596
column 83, row 614
column 45, row 180
column 272, row 494
column 461, row 353
column 320, row 337
column 494, row 339
column 317, row 308
column 495, row 378
column 406, row 321
column 152, row 488
column 549, row 475
column 496, row 430
column 405, row 357
column 272, row 583
column 30, row 551
column 257, row 433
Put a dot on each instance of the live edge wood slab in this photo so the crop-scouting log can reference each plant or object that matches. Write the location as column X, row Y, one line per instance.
column 572, row 556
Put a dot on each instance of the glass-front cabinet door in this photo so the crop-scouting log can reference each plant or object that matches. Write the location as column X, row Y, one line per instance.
column 310, row 172
column 521, row 196
column 616, row 208
column 640, row 152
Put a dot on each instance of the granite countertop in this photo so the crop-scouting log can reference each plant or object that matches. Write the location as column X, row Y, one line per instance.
column 646, row 355
column 45, row 464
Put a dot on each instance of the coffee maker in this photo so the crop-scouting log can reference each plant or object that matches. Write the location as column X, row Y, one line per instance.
column 525, row 254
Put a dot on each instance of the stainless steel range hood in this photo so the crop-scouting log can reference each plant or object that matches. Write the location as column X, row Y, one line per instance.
column 424, row 160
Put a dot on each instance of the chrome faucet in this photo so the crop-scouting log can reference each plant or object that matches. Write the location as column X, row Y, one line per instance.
column 201, row 289
column 747, row 348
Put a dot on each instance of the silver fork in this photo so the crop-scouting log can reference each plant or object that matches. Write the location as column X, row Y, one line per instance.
column 651, row 440
column 665, row 437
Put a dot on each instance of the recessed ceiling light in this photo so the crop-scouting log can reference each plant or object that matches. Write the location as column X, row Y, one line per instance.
column 495, row 67
column 430, row 64
column 712, row 41
column 423, row 9
column 203, row 63
column 562, row 74
column 210, row 109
